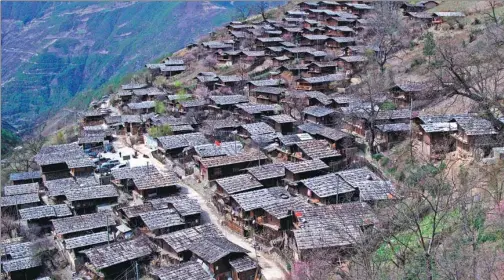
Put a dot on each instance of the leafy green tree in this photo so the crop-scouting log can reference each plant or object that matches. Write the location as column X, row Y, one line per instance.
column 429, row 48
column 158, row 131
column 60, row 138
column 159, row 107
column 388, row 105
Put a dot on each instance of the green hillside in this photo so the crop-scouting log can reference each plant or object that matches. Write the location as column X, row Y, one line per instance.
column 54, row 51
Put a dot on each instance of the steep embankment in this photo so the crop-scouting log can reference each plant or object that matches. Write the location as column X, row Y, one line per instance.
column 54, row 51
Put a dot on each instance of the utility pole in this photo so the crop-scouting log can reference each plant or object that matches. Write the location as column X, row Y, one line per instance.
column 136, row 270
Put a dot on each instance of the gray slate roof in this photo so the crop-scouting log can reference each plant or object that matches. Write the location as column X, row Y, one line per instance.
column 317, row 149
column 305, row 166
column 19, row 199
column 243, row 264
column 318, row 111
column 267, row 171
column 476, row 126
column 45, row 211
column 239, row 183
column 89, row 239
column 393, row 127
column 324, row 131
column 333, row 225
column 25, row 175
column 276, row 201
column 213, row 249
column 142, row 105
column 115, row 253
column 224, row 149
column 184, row 271
column 184, row 205
column 156, row 180
column 179, row 240
column 253, row 155
column 57, row 187
column 327, row 185
column 282, row 118
column 258, row 128
column 267, row 83
column 229, row 99
column 324, row 79
column 93, row 192
column 269, row 90
column 439, row 127
column 21, row 189
column 253, row 108
column 71, row 154
column 183, row 140
column 136, row 210
column 83, row 222
column 134, row 172
column 160, row 219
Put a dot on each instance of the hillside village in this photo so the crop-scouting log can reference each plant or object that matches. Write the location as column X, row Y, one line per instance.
column 278, row 164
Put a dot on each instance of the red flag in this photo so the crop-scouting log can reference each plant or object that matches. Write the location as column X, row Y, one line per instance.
column 217, row 143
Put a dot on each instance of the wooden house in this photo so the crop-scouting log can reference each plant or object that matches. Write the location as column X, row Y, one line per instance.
column 340, row 31
column 149, row 94
column 320, row 83
column 265, row 83
column 257, row 128
column 59, row 161
column 339, row 140
column 87, row 199
column 322, row 68
column 231, row 81
column 317, row 114
column 351, row 64
column 329, row 221
column 340, row 21
column 327, row 189
column 316, row 149
column 21, row 260
column 315, row 41
column 339, row 42
column 267, row 95
column 173, row 145
column 263, row 43
column 144, row 107
column 391, row 134
column 19, row 178
column 107, row 260
column 358, row 9
column 269, row 175
column 304, row 6
column 475, row 136
column 404, row 94
column 436, row 140
column 131, row 214
column 296, row 14
column 269, row 209
column 227, row 102
column 223, row 166
column 154, row 184
column 255, row 112
column 295, row 171
column 329, row 5
column 440, row 17
column 282, row 123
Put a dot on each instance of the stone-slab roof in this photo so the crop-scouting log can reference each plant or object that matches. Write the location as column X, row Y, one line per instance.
column 282, row 118
column 252, row 108
column 160, row 219
column 229, row 99
column 134, row 172
column 45, row 211
column 156, row 180
column 25, row 176
column 239, row 183
column 21, row 189
column 267, row 83
column 243, row 264
column 318, row 111
column 183, row 140
column 89, row 239
column 249, row 156
column 88, row 193
column 116, row 253
column 223, row 149
column 317, row 149
column 19, row 199
column 57, row 187
column 258, row 128
column 267, row 171
column 306, row 166
column 179, row 240
column 213, row 249
column 184, row 271
column 327, row 185
column 83, row 222
column 184, row 205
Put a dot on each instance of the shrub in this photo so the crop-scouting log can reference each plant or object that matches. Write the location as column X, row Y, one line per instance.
column 384, row 161
column 158, row 131
column 377, row 157
column 388, row 105
column 159, row 107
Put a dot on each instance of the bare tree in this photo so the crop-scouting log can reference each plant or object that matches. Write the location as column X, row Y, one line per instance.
column 261, row 8
column 386, row 32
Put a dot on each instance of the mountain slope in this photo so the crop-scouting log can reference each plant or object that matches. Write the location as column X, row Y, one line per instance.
column 53, row 50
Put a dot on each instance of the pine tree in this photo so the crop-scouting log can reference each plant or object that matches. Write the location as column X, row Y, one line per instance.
column 429, row 48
